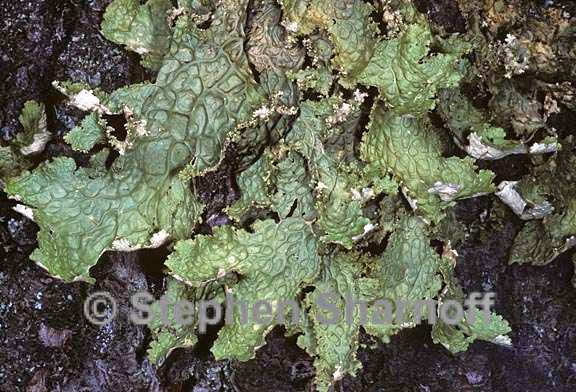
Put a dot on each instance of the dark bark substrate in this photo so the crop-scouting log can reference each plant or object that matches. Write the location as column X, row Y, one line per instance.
column 47, row 345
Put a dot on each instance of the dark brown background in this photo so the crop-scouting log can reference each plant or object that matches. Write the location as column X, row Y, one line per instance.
column 46, row 345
